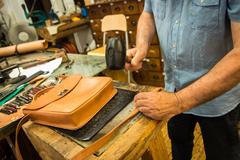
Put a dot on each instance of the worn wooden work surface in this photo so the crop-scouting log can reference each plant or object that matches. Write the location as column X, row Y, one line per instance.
column 83, row 64
column 130, row 143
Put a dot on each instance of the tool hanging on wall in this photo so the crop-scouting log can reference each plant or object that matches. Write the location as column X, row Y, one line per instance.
column 38, row 16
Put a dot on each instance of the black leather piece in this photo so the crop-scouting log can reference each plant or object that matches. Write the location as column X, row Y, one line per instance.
column 114, row 106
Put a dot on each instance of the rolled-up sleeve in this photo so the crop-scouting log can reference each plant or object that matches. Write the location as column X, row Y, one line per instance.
column 234, row 10
column 148, row 6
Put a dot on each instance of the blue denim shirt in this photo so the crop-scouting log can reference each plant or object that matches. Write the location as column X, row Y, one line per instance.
column 194, row 35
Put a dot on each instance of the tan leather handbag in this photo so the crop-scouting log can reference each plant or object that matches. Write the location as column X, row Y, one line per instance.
column 72, row 103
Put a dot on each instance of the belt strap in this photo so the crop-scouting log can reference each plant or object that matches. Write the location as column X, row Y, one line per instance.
column 83, row 154
column 19, row 126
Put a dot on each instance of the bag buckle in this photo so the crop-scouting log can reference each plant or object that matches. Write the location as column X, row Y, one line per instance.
column 63, row 92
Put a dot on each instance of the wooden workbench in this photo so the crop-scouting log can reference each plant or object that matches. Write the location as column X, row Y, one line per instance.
column 83, row 64
column 132, row 141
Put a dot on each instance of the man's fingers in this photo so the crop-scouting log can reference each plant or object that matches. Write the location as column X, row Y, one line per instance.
column 140, row 96
column 141, row 103
column 145, row 110
column 131, row 52
column 137, row 60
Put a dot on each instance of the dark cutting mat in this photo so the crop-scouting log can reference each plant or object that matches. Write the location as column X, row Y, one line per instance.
column 112, row 108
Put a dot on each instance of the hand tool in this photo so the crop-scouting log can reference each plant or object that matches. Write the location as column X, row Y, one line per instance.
column 10, row 108
column 28, row 97
column 11, row 89
column 11, row 105
column 20, row 98
column 16, row 80
column 17, row 101
column 3, row 110
column 13, row 94
column 14, row 103
column 37, row 62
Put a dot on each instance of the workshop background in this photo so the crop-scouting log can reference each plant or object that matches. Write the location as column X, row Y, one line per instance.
column 75, row 26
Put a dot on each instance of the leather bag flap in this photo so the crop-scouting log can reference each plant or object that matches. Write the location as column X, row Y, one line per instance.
column 57, row 92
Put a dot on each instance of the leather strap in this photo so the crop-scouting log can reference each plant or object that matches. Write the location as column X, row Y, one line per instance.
column 19, row 126
column 83, row 154
column 53, row 94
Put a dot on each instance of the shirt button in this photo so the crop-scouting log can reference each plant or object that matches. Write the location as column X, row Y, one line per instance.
column 174, row 45
column 202, row 1
column 177, row 22
column 175, row 66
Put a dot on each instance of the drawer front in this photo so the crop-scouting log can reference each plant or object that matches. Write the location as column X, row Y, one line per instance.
column 140, row 77
column 140, row 5
column 96, row 24
column 156, row 78
column 132, row 21
column 98, row 36
column 99, row 10
column 131, row 7
column 115, row 34
column 149, row 78
column 154, row 64
column 154, row 52
column 117, row 8
column 94, row 12
column 105, row 9
column 132, row 36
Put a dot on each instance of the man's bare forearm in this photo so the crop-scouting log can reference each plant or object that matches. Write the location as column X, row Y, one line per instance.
column 221, row 78
column 145, row 32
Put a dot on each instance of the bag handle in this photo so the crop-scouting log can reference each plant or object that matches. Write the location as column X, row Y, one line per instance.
column 41, row 92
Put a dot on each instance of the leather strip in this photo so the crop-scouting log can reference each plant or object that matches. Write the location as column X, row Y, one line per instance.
column 19, row 126
column 83, row 154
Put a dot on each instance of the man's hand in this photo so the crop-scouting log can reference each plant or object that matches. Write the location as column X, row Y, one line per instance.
column 145, row 33
column 158, row 105
column 134, row 59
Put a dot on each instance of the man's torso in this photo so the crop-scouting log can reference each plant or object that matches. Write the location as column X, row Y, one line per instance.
column 194, row 35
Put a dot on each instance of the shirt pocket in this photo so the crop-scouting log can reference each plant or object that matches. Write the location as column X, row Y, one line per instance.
column 205, row 14
column 159, row 8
